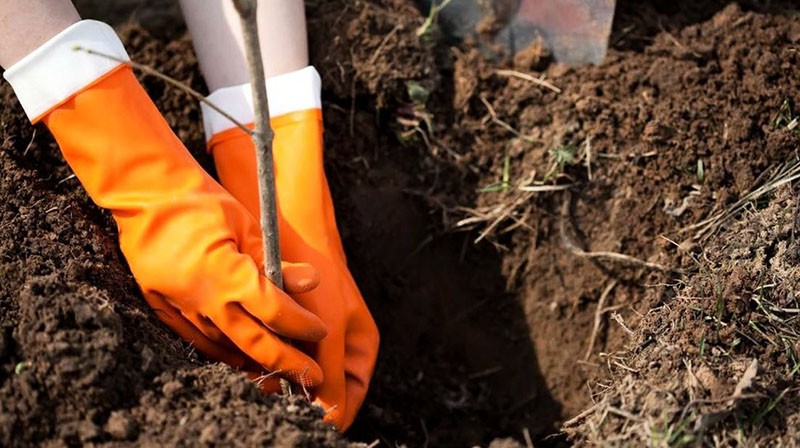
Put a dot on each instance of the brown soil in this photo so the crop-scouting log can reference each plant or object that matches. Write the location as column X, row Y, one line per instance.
column 479, row 341
column 83, row 358
column 699, row 96
column 684, row 375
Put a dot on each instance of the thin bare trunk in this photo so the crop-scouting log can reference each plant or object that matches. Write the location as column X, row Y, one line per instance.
column 262, row 139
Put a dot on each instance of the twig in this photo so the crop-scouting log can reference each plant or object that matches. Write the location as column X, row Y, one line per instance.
column 527, row 77
column 598, row 316
column 588, row 147
column 169, row 80
column 30, row 143
column 527, row 434
column 495, row 119
column 262, row 137
column 618, row 319
column 581, row 416
column 383, row 44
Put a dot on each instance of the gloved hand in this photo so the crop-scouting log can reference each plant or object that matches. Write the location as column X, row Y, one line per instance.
column 193, row 249
column 307, row 232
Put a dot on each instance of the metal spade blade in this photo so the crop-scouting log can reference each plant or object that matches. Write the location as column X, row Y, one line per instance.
column 575, row 31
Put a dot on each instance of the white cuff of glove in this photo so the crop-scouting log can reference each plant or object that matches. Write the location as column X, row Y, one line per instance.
column 290, row 92
column 58, row 69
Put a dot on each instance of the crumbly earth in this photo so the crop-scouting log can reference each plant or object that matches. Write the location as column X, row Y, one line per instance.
column 591, row 290
column 650, row 143
column 83, row 360
column 715, row 360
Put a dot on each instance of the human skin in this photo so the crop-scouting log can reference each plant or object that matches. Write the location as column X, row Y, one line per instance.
column 217, row 35
column 26, row 25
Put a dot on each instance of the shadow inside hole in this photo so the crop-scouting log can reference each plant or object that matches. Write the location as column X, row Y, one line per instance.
column 457, row 365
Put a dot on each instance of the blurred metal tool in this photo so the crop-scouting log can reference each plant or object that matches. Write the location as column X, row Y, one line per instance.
column 575, row 31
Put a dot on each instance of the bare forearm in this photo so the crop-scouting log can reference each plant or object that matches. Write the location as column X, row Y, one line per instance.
column 217, row 36
column 25, row 25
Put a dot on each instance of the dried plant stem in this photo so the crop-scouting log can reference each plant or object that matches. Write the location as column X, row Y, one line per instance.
column 538, row 81
column 262, row 136
column 598, row 317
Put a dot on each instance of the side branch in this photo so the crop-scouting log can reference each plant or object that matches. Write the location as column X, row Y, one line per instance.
column 169, row 80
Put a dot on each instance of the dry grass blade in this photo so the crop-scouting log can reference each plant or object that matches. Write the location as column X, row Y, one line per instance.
column 495, row 215
column 784, row 174
column 585, row 413
column 587, row 148
column 747, row 379
column 495, row 119
column 598, row 317
column 622, row 258
column 383, row 43
column 501, row 213
column 543, row 188
column 528, row 441
column 527, row 77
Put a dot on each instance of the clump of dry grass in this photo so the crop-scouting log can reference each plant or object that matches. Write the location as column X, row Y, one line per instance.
column 717, row 364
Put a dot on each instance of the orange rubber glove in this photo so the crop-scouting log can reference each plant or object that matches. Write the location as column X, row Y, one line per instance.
column 308, row 232
column 193, row 249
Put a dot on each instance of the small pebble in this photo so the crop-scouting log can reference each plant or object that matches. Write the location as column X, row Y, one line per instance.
column 172, row 388
column 121, row 426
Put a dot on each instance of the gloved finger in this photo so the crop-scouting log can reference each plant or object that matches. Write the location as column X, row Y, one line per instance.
column 216, row 348
column 265, row 348
column 356, row 391
column 357, row 380
column 331, row 395
column 283, row 315
column 359, row 364
column 361, row 350
column 361, row 347
column 299, row 278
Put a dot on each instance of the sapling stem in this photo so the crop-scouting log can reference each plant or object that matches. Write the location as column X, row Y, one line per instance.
column 262, row 136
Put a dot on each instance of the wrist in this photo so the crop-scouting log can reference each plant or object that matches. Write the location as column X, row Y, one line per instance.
column 56, row 70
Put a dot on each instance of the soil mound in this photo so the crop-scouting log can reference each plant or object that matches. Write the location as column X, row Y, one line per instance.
column 82, row 358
